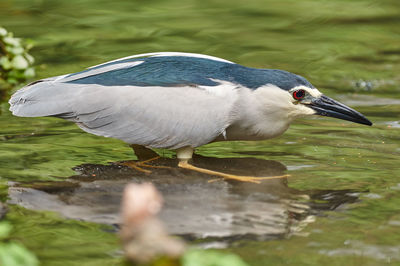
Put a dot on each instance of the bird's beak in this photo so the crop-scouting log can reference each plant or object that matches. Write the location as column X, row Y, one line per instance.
column 326, row 106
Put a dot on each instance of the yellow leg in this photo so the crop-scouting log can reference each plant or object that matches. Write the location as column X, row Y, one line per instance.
column 139, row 165
column 184, row 164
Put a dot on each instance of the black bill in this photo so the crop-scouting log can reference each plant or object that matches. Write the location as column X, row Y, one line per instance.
column 326, row 106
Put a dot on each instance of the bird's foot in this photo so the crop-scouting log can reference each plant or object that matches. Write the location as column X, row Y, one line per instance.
column 252, row 179
column 139, row 165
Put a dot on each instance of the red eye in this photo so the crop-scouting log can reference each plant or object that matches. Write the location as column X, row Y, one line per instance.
column 299, row 94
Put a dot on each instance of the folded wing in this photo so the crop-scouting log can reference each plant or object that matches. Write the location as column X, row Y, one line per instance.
column 154, row 116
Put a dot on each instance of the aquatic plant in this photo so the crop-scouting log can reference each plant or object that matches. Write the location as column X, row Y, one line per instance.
column 15, row 61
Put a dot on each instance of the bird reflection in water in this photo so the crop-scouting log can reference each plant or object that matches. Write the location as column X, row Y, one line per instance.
column 222, row 211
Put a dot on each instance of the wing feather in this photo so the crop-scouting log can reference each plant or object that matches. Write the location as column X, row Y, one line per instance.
column 154, row 116
column 162, row 100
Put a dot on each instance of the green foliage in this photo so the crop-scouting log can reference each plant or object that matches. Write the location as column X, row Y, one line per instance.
column 12, row 253
column 57, row 241
column 199, row 257
column 211, row 258
column 15, row 61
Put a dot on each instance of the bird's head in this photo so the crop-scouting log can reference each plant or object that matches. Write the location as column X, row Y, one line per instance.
column 309, row 100
column 295, row 96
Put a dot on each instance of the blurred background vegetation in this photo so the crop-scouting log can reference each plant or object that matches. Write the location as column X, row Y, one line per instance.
column 15, row 61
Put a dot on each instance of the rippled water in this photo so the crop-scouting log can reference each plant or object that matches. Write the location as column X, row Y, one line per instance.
column 340, row 206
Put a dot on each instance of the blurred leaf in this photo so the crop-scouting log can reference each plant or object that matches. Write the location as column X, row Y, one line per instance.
column 13, row 254
column 16, row 74
column 16, row 50
column 12, row 41
column 5, row 229
column 12, row 81
column 5, row 63
column 19, row 62
column 29, row 73
column 211, row 258
column 15, row 62
column 3, row 31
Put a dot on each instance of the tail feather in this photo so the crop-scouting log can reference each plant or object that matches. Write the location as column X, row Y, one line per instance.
column 49, row 97
column 39, row 99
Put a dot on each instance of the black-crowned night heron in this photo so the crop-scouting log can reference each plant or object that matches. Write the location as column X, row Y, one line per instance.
column 179, row 101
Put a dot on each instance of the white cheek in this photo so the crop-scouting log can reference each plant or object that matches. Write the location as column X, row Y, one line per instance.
column 300, row 110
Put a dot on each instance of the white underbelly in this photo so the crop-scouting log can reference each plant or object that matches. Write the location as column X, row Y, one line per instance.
column 239, row 133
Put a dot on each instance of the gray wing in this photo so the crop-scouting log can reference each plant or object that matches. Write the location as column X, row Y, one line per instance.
column 154, row 116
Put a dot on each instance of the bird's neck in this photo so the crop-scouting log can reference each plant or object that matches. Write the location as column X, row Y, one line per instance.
column 263, row 115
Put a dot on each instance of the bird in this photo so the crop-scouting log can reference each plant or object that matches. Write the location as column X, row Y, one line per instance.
column 179, row 101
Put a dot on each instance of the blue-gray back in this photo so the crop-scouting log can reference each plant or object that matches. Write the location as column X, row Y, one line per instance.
column 186, row 70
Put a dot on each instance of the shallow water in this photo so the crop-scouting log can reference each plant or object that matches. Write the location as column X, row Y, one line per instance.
column 228, row 211
column 340, row 205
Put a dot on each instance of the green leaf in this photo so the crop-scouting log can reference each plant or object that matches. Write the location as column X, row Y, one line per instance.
column 16, row 50
column 13, row 254
column 3, row 31
column 5, row 229
column 5, row 63
column 211, row 258
column 15, row 62
column 19, row 62
column 16, row 74
column 12, row 41
column 29, row 73
column 12, row 80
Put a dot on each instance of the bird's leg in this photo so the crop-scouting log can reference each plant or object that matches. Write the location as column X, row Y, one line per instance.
column 140, row 164
column 185, row 154
column 145, row 156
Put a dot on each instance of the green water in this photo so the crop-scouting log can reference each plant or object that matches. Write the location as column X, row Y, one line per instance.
column 350, row 50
